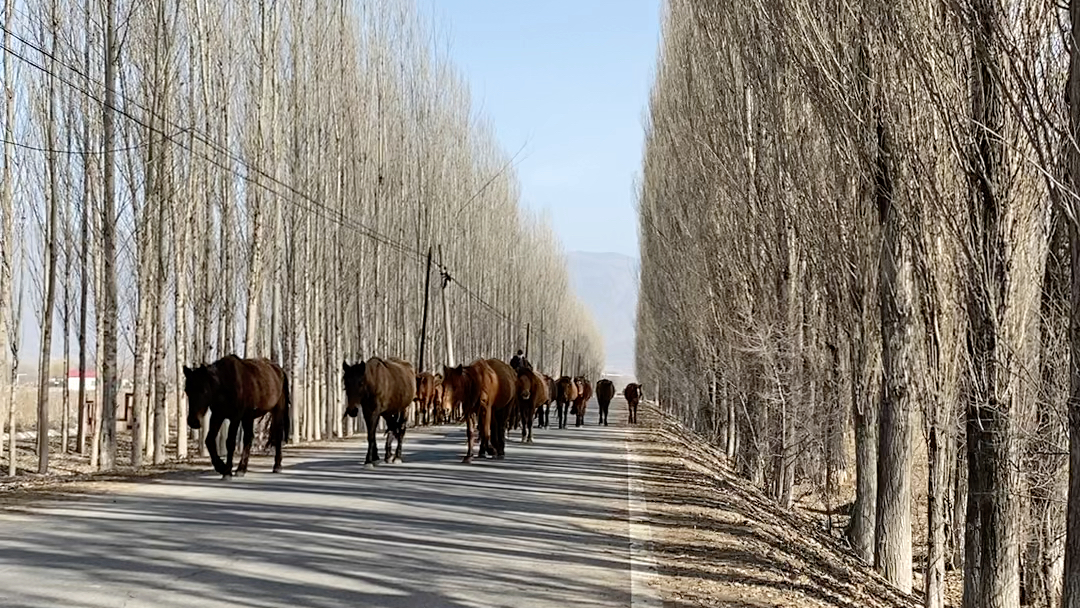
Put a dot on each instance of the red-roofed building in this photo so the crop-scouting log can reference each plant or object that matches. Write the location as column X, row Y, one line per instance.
column 73, row 380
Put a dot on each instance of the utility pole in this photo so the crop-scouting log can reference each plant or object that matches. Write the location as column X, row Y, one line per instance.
column 542, row 343
column 423, row 324
column 446, row 313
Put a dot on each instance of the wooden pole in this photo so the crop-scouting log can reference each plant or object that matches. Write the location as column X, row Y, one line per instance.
column 423, row 324
column 446, row 313
column 528, row 329
column 542, row 343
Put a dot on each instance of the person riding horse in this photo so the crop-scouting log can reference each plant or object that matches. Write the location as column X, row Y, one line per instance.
column 519, row 360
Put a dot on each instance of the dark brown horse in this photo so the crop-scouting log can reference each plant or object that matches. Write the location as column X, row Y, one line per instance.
column 485, row 390
column 605, row 392
column 381, row 388
column 543, row 412
column 240, row 391
column 632, row 392
column 584, row 394
column 425, row 397
column 566, row 391
column 532, row 393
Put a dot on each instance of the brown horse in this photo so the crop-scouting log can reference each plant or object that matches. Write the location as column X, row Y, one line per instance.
column 532, row 393
column 605, row 392
column 425, row 397
column 584, row 394
column 632, row 392
column 443, row 415
column 485, row 390
column 381, row 388
column 566, row 391
column 543, row 412
column 240, row 391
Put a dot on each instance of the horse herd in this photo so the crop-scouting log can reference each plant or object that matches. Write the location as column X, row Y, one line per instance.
column 490, row 395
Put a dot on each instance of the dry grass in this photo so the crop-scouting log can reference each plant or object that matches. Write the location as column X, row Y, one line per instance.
column 719, row 540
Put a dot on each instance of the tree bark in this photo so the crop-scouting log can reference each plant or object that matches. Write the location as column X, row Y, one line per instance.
column 992, row 543
column 1071, row 590
column 51, row 252
column 892, row 549
column 108, row 307
column 7, row 234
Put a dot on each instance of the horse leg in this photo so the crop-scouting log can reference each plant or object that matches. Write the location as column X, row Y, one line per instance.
column 498, row 442
column 526, row 423
column 391, row 427
column 491, row 432
column 230, row 446
column 400, row 440
column 371, row 421
column 249, row 436
column 469, row 441
column 212, row 430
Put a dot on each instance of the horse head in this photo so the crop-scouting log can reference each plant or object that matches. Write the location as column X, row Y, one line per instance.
column 455, row 385
column 355, row 380
column 525, row 384
column 200, row 386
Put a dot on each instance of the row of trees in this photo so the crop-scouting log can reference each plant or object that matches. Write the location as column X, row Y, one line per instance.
column 187, row 180
column 861, row 219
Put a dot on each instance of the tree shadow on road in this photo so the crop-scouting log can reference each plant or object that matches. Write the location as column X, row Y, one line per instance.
column 545, row 527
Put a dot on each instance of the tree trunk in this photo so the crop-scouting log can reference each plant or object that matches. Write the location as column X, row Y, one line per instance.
column 934, row 579
column 992, row 542
column 7, row 237
column 1071, row 590
column 108, row 307
column 892, row 549
column 51, row 254
column 865, row 405
column 84, row 277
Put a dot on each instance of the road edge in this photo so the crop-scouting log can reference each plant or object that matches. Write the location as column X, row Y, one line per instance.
column 642, row 565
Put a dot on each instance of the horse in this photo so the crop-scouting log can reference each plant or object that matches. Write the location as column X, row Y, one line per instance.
column 566, row 391
column 240, row 391
column 485, row 390
column 543, row 412
column 425, row 397
column 442, row 415
column 605, row 392
column 531, row 395
column 584, row 394
column 632, row 392
column 381, row 388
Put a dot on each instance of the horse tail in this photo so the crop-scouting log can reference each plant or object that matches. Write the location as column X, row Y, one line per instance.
column 279, row 423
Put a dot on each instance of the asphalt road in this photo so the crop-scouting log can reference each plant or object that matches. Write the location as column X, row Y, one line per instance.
column 548, row 526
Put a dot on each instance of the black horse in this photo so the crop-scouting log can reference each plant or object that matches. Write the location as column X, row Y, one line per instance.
column 240, row 391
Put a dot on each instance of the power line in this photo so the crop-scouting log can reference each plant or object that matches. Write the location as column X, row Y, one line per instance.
column 329, row 213
column 314, row 206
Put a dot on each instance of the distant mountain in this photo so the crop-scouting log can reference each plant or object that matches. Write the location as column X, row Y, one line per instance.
column 608, row 284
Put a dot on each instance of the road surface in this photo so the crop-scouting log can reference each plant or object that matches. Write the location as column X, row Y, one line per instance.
column 548, row 526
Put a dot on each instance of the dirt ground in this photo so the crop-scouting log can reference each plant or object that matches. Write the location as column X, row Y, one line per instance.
column 718, row 541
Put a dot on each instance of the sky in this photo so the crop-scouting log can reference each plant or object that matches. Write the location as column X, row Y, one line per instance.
column 569, row 80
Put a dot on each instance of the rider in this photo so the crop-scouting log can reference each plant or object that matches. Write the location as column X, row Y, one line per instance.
column 519, row 360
